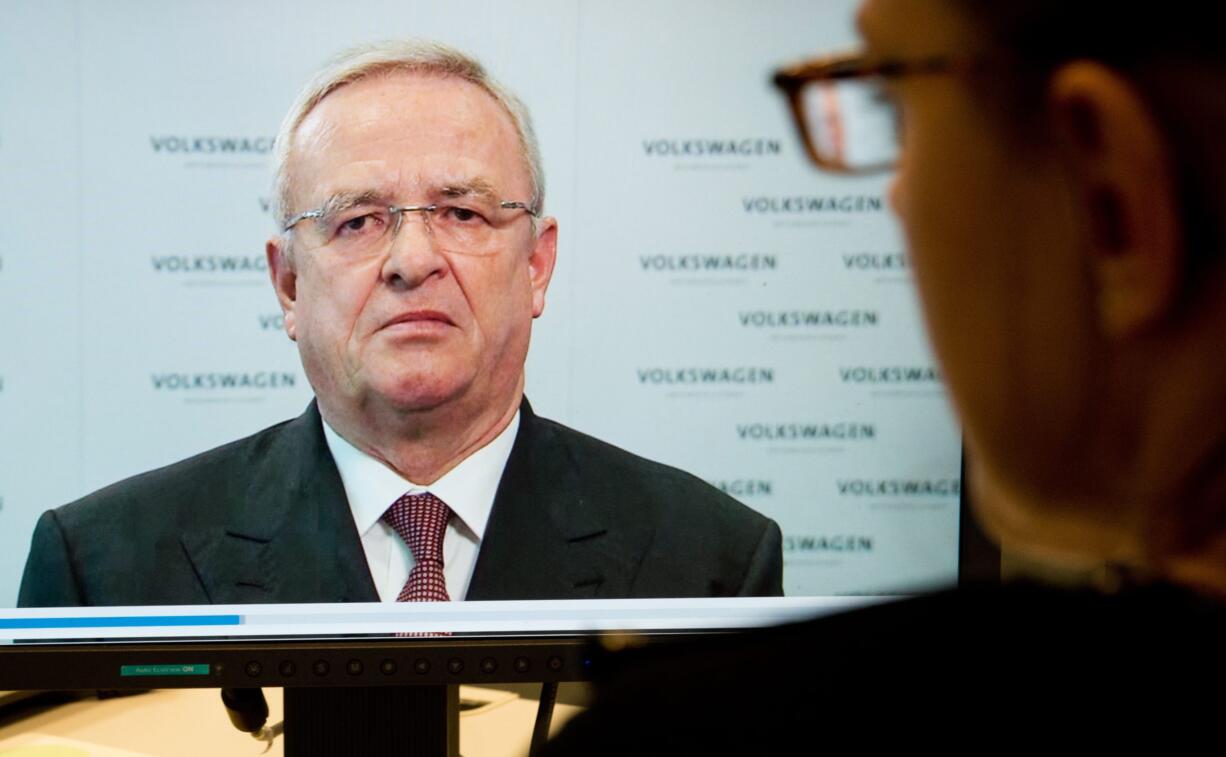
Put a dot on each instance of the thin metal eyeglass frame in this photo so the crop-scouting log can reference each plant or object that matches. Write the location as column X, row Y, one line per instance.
column 399, row 210
column 790, row 80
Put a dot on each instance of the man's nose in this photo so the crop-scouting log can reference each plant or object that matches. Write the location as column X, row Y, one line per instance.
column 413, row 254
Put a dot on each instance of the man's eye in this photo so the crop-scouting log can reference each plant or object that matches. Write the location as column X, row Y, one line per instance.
column 362, row 224
column 461, row 214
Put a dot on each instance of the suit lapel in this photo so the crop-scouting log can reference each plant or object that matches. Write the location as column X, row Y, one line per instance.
column 548, row 537
column 289, row 534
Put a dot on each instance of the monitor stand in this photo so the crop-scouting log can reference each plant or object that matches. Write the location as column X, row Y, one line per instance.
column 372, row 720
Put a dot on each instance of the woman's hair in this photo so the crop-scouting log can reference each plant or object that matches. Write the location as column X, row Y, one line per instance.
column 1173, row 55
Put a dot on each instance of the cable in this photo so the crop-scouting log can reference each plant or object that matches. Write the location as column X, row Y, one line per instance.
column 248, row 711
column 544, row 714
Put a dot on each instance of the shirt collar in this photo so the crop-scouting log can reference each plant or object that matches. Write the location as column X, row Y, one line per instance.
column 468, row 489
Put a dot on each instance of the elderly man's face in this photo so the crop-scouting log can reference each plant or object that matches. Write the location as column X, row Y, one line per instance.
column 419, row 327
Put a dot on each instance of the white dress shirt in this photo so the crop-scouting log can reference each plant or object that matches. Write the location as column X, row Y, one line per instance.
column 468, row 489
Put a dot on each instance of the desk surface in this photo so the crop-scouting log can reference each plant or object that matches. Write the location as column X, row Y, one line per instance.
column 190, row 722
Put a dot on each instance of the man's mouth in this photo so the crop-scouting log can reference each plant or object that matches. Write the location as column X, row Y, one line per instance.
column 424, row 319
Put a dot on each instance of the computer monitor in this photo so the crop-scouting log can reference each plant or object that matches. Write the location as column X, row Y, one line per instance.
column 717, row 306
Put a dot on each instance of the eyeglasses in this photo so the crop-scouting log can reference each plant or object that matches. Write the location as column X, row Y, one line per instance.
column 361, row 227
column 838, row 103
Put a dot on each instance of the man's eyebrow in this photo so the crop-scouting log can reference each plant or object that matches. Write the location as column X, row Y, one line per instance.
column 478, row 186
column 339, row 202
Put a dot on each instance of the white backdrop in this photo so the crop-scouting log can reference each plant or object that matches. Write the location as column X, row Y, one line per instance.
column 717, row 305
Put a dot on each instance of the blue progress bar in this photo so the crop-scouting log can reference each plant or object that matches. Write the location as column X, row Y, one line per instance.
column 131, row 621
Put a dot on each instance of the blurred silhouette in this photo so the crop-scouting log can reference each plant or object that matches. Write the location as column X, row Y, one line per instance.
column 1061, row 179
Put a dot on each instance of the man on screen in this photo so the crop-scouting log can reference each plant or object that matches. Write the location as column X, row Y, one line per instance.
column 412, row 258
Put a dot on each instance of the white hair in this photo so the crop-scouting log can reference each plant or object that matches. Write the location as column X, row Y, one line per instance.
column 412, row 56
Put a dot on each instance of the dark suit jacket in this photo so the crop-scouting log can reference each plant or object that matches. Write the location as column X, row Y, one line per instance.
column 265, row 520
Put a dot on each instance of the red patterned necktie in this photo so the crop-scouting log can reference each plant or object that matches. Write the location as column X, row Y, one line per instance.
column 421, row 520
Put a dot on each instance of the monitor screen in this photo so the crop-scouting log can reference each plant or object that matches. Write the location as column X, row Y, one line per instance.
column 729, row 339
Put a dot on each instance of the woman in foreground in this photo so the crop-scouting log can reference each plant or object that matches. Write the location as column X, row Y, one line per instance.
column 1061, row 179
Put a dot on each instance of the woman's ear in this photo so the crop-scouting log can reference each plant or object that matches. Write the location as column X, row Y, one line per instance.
column 1125, row 181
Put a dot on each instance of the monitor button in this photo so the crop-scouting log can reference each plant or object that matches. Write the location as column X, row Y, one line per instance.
column 522, row 665
column 321, row 668
column 354, row 667
column 489, row 665
column 254, row 669
column 388, row 667
column 455, row 666
column 287, row 668
column 555, row 663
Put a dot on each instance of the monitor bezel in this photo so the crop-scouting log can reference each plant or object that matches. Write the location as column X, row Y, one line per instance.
column 53, row 667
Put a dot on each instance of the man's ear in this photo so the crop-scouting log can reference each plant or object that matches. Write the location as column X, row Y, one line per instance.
column 1125, row 182
column 284, row 280
column 541, row 261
